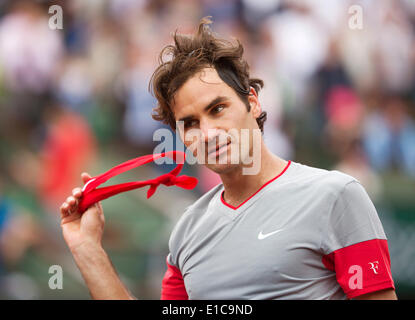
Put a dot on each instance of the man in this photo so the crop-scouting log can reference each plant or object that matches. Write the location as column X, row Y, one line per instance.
column 288, row 231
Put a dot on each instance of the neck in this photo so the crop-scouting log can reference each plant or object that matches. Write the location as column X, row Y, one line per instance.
column 239, row 186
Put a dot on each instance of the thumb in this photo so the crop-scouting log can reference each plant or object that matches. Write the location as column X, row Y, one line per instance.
column 85, row 177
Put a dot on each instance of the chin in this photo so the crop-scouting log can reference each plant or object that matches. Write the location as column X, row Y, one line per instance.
column 221, row 168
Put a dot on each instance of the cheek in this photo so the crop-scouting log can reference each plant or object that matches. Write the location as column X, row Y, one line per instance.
column 242, row 121
column 192, row 141
column 234, row 120
column 181, row 135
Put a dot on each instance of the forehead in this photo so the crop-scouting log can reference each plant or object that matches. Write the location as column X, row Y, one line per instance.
column 198, row 91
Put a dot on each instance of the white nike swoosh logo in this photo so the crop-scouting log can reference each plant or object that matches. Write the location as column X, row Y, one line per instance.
column 262, row 236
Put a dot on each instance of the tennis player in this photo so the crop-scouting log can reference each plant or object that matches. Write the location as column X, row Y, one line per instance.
column 289, row 231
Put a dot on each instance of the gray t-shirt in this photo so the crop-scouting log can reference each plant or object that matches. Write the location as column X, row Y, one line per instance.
column 274, row 244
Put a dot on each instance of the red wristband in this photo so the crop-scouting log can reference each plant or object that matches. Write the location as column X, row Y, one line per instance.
column 91, row 195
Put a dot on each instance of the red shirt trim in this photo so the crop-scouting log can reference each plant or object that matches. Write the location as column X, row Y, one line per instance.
column 234, row 208
column 172, row 285
column 361, row 268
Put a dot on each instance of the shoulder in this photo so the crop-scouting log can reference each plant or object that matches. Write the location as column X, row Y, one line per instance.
column 323, row 181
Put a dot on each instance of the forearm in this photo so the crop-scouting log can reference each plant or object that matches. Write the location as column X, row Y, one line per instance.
column 387, row 294
column 99, row 274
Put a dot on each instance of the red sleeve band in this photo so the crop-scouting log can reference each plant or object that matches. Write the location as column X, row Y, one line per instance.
column 172, row 286
column 361, row 268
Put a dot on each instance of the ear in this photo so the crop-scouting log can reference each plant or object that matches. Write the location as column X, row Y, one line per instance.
column 254, row 103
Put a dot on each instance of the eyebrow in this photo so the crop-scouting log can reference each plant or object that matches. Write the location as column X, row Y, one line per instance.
column 210, row 105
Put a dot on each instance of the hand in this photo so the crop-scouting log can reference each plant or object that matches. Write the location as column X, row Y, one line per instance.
column 81, row 229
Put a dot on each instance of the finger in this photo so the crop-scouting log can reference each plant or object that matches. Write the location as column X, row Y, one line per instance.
column 64, row 209
column 101, row 211
column 73, row 205
column 70, row 218
column 85, row 177
column 77, row 193
column 77, row 215
column 71, row 200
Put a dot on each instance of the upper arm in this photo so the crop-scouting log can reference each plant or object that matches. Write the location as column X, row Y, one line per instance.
column 355, row 245
column 172, row 286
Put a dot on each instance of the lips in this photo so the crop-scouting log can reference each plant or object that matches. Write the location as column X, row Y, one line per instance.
column 218, row 148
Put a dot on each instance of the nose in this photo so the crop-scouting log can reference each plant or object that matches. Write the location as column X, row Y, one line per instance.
column 208, row 130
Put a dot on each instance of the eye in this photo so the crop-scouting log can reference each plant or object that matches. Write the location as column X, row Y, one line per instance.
column 218, row 108
column 190, row 123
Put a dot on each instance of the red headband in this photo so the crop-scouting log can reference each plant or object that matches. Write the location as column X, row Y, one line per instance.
column 91, row 195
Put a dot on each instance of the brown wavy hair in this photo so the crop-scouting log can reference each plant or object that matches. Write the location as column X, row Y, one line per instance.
column 189, row 55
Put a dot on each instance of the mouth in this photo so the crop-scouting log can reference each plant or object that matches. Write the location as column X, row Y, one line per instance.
column 219, row 149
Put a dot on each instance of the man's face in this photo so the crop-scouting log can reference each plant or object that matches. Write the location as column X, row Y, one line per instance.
column 212, row 118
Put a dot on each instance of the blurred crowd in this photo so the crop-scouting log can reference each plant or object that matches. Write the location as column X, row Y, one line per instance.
column 339, row 93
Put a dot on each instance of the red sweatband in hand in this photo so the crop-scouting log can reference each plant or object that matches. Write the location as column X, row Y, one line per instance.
column 91, row 195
